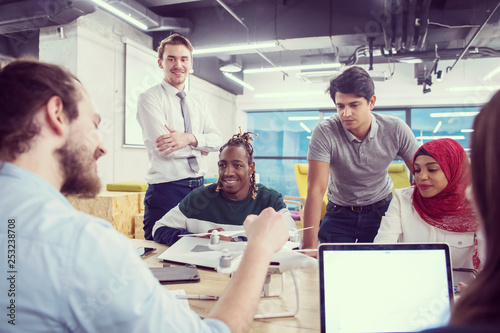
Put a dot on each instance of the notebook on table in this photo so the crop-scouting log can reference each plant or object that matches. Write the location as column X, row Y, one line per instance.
column 368, row 288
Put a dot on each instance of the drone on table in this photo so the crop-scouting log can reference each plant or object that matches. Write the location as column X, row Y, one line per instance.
column 216, row 243
column 225, row 257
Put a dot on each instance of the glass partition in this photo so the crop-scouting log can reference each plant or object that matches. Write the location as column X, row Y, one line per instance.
column 284, row 136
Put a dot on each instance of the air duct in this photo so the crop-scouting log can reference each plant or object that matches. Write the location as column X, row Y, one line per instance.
column 32, row 15
column 424, row 25
column 152, row 21
column 323, row 58
column 410, row 26
column 394, row 11
column 319, row 76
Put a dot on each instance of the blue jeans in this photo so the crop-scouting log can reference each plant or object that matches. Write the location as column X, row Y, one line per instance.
column 159, row 200
column 344, row 225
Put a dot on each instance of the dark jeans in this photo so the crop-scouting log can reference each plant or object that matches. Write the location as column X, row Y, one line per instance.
column 160, row 199
column 343, row 224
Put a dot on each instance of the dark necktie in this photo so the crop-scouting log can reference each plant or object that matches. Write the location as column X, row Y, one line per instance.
column 193, row 163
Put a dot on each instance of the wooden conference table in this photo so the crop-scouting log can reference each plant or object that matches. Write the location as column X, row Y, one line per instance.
column 212, row 283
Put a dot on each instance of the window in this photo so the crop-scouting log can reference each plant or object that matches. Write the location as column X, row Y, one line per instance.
column 433, row 123
column 283, row 140
column 284, row 136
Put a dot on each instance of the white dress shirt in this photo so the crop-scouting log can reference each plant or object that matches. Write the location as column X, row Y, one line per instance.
column 402, row 223
column 159, row 106
column 75, row 272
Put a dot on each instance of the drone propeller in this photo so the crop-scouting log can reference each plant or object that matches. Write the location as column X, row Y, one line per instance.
column 306, row 250
column 227, row 233
column 297, row 230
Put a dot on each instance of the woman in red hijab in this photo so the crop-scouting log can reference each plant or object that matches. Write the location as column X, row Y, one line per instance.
column 435, row 208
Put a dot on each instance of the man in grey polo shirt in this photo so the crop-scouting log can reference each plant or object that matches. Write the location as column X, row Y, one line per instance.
column 351, row 152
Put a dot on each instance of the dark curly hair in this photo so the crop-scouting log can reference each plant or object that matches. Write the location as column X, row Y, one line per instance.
column 242, row 140
column 354, row 80
column 25, row 86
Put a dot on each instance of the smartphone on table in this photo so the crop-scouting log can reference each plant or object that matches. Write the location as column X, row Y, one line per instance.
column 142, row 251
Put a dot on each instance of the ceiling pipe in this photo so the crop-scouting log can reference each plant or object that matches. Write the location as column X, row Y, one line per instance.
column 445, row 54
column 410, row 26
column 370, row 50
column 398, row 26
column 424, row 25
column 28, row 15
column 387, row 25
column 358, row 53
column 269, row 61
column 233, row 14
column 449, row 68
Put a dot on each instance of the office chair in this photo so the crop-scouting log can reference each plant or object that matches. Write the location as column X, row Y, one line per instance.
column 301, row 171
column 399, row 176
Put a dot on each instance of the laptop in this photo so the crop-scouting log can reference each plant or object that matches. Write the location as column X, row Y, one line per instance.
column 368, row 288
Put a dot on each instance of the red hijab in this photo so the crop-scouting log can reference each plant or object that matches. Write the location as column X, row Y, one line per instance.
column 448, row 210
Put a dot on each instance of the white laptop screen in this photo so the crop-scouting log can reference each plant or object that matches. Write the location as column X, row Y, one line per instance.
column 384, row 288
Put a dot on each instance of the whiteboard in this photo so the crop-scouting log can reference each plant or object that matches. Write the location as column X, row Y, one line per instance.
column 141, row 73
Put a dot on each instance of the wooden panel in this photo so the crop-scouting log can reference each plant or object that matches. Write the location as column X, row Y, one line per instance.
column 118, row 208
column 139, row 223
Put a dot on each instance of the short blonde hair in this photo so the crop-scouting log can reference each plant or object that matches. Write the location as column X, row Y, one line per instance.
column 174, row 39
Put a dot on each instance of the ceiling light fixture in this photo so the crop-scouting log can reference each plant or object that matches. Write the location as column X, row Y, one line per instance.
column 290, row 94
column 435, row 137
column 304, row 126
column 316, row 76
column 438, row 126
column 332, row 66
column 233, row 65
column 230, row 68
column 233, row 48
column 474, row 88
column 120, row 14
column 410, row 60
column 240, row 82
column 379, row 76
column 303, row 118
column 454, row 114
column 491, row 74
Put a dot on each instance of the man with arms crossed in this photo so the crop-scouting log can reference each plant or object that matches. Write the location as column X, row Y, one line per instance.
column 177, row 130
column 74, row 272
column 351, row 152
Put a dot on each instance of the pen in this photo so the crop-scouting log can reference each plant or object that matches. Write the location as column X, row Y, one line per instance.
column 203, row 297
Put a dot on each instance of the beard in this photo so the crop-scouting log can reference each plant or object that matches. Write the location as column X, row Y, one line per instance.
column 78, row 167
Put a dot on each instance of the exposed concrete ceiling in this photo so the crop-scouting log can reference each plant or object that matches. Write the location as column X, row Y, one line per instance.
column 318, row 27
column 399, row 30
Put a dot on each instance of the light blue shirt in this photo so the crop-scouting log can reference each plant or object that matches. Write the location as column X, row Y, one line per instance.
column 75, row 272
